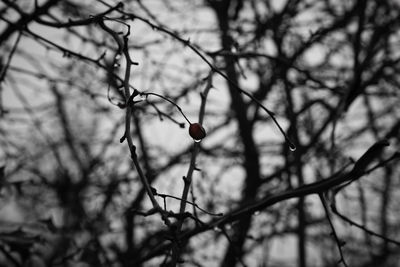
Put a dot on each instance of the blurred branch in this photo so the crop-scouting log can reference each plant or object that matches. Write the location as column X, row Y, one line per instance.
column 22, row 23
column 9, row 256
column 84, row 22
column 4, row 68
column 65, row 125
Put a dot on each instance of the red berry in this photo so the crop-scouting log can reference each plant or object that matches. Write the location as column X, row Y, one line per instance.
column 197, row 131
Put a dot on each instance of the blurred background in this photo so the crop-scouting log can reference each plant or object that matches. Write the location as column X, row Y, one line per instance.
column 328, row 72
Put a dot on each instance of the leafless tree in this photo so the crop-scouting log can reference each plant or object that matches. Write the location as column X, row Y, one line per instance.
column 199, row 133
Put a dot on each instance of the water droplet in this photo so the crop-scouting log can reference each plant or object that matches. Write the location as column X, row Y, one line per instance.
column 256, row 213
column 292, row 147
column 217, row 229
column 117, row 56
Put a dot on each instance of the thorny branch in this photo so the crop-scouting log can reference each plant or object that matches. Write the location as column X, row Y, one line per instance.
column 317, row 91
column 123, row 48
column 188, row 178
column 308, row 189
column 212, row 67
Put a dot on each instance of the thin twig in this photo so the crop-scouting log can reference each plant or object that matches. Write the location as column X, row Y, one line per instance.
column 192, row 166
column 190, row 203
column 123, row 47
column 83, row 22
column 161, row 114
column 211, row 65
column 223, row 230
column 176, row 250
column 308, row 189
column 339, row 242
column 362, row 227
column 168, row 100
